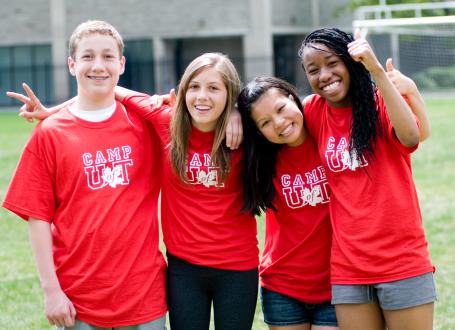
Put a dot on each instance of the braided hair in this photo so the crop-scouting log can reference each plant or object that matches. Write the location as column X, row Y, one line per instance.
column 365, row 124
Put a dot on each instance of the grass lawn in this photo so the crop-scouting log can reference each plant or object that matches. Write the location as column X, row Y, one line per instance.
column 434, row 172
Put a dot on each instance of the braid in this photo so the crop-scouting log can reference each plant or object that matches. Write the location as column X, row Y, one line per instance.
column 365, row 125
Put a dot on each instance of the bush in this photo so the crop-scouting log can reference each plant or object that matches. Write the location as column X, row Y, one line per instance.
column 435, row 77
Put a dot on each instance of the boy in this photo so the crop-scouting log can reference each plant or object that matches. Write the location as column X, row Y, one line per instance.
column 87, row 184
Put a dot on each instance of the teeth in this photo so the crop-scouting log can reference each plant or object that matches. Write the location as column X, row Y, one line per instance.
column 287, row 130
column 98, row 78
column 202, row 107
column 330, row 87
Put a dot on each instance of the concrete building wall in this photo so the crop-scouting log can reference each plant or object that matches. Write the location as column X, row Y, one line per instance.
column 165, row 18
column 24, row 22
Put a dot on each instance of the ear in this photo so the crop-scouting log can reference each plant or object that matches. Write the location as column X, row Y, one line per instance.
column 71, row 66
column 122, row 63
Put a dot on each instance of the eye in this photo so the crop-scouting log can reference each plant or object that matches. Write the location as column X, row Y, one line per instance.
column 332, row 63
column 313, row 71
column 264, row 123
column 193, row 86
column 213, row 88
column 86, row 57
column 280, row 109
column 109, row 56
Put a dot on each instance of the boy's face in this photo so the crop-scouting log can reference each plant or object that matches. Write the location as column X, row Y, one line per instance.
column 97, row 66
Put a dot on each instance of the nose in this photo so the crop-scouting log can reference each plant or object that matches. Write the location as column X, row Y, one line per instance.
column 278, row 122
column 202, row 94
column 98, row 64
column 325, row 74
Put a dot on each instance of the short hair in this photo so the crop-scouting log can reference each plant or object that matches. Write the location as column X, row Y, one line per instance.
column 94, row 27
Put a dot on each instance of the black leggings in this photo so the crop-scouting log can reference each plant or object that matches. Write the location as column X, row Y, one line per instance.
column 192, row 288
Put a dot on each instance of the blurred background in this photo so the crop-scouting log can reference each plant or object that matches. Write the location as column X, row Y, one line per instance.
column 262, row 37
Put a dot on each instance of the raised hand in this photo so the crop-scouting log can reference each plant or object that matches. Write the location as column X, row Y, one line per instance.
column 32, row 108
column 361, row 51
column 404, row 84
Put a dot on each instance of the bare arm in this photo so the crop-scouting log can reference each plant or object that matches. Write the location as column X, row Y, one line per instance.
column 400, row 114
column 407, row 87
column 58, row 308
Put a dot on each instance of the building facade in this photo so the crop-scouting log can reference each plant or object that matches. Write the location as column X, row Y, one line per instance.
column 161, row 37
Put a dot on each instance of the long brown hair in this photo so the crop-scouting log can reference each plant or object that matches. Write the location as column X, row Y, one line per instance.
column 181, row 119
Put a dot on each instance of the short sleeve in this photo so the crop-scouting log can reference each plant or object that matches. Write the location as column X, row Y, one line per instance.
column 31, row 190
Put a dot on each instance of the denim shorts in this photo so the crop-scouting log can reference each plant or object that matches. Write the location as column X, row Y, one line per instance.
column 282, row 310
column 410, row 292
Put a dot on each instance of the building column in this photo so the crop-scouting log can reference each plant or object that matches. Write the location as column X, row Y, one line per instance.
column 258, row 42
column 59, row 50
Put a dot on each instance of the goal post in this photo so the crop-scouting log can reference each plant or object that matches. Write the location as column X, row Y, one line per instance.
column 422, row 47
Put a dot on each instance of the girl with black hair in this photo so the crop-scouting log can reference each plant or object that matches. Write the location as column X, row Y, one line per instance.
column 381, row 271
column 283, row 175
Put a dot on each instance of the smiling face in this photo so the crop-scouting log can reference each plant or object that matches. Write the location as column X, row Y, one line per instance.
column 327, row 74
column 206, row 99
column 97, row 65
column 278, row 118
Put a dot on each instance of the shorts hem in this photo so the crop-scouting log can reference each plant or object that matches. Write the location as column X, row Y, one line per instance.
column 410, row 304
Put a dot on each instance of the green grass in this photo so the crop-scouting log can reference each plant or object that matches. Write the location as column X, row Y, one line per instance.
column 434, row 172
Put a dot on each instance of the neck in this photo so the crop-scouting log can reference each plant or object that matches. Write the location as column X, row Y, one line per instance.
column 91, row 103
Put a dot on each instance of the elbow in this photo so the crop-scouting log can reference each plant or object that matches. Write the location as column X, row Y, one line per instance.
column 411, row 139
column 425, row 134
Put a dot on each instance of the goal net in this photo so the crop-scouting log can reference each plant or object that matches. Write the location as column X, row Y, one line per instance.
column 422, row 47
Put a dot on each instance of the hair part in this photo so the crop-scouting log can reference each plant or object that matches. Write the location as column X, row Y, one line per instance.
column 93, row 27
column 365, row 124
column 181, row 119
column 260, row 154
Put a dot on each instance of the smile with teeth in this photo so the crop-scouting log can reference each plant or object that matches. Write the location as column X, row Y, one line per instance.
column 287, row 131
column 202, row 107
column 331, row 86
column 98, row 78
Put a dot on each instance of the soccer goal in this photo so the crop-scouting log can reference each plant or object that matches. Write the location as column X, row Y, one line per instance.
column 419, row 37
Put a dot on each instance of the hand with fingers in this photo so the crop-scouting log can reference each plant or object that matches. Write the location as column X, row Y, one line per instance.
column 234, row 130
column 32, row 108
column 403, row 84
column 361, row 51
column 157, row 101
column 59, row 309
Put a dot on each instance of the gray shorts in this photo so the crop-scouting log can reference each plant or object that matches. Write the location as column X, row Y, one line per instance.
column 410, row 292
column 158, row 324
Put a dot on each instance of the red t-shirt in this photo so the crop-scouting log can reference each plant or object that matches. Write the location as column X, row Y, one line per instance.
column 296, row 257
column 201, row 220
column 378, row 234
column 98, row 185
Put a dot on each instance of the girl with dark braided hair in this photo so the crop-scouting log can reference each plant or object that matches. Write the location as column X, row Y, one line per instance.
column 381, row 271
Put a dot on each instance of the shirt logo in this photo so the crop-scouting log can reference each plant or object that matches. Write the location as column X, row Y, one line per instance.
column 108, row 167
column 299, row 192
column 201, row 171
column 339, row 158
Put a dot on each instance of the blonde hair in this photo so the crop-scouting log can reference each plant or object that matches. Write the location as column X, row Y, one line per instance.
column 94, row 27
column 181, row 119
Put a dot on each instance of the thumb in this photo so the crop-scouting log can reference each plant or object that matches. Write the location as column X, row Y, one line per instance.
column 357, row 34
column 173, row 97
column 389, row 65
